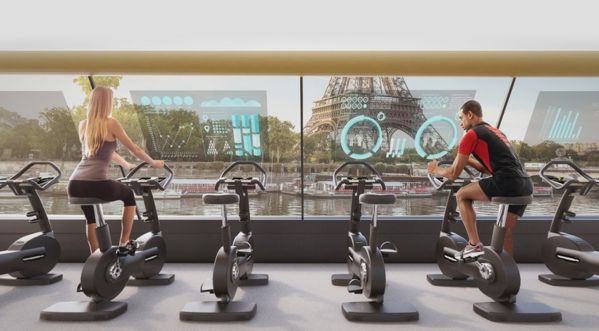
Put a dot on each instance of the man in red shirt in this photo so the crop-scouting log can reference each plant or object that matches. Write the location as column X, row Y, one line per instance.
column 492, row 154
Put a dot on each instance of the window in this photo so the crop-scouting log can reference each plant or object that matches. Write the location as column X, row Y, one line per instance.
column 36, row 124
column 201, row 124
column 544, row 114
column 397, row 124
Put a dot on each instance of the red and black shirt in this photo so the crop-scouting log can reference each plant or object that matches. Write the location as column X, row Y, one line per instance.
column 492, row 149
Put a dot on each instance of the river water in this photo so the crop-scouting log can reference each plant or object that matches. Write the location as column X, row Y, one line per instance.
column 289, row 205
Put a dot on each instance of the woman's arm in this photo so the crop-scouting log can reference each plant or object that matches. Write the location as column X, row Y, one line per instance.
column 117, row 130
column 122, row 162
column 82, row 126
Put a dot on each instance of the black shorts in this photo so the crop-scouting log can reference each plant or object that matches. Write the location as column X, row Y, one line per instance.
column 496, row 186
column 107, row 190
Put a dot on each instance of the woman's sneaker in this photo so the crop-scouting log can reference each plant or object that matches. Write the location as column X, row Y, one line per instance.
column 129, row 248
column 470, row 252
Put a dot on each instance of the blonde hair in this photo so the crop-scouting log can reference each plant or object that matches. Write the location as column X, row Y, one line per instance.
column 98, row 111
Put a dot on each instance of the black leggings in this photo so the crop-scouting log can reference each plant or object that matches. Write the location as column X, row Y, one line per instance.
column 107, row 190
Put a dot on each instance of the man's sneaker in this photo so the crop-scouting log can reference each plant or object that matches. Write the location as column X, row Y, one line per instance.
column 470, row 253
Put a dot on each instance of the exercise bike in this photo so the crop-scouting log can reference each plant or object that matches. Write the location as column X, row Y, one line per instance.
column 149, row 274
column 235, row 259
column 359, row 184
column 31, row 257
column 573, row 261
column 365, row 260
column 450, row 275
column 107, row 271
column 495, row 272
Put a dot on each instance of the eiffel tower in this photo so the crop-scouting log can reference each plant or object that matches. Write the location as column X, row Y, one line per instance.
column 387, row 100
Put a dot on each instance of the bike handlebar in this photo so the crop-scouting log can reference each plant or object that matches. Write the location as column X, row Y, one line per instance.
column 162, row 184
column 255, row 181
column 560, row 185
column 31, row 181
column 439, row 184
column 376, row 180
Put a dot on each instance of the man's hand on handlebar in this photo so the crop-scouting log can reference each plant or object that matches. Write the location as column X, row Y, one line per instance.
column 158, row 164
column 432, row 167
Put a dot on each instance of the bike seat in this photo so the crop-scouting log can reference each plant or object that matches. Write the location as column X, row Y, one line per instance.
column 377, row 198
column 519, row 200
column 220, row 198
column 86, row 201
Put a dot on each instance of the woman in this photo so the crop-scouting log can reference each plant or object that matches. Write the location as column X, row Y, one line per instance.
column 99, row 134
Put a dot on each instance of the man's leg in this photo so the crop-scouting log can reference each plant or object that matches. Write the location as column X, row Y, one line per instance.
column 465, row 197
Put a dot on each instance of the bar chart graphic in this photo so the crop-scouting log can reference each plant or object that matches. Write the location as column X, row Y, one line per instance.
column 396, row 148
column 562, row 117
column 562, row 125
column 246, row 134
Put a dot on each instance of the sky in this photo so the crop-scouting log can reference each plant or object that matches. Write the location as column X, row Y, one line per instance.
column 306, row 25
column 299, row 25
column 283, row 96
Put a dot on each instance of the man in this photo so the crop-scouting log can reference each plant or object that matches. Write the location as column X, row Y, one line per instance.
column 494, row 156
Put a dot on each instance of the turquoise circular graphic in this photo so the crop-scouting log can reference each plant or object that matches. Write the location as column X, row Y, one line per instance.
column 145, row 101
column 167, row 101
column 188, row 101
column 344, row 132
column 178, row 101
column 427, row 123
column 156, row 101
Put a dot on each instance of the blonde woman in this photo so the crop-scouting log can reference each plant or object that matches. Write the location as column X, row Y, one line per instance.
column 99, row 135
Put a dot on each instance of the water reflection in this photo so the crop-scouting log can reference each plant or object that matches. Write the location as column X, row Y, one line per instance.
column 290, row 205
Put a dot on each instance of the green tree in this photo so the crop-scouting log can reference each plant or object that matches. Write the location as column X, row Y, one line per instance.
column 60, row 132
column 21, row 140
column 282, row 143
column 108, row 81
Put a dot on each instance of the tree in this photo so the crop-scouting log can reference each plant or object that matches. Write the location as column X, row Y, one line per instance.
column 282, row 141
column 60, row 132
column 109, row 81
column 525, row 152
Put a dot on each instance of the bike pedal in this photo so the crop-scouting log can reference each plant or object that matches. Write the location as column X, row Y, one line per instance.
column 129, row 248
column 244, row 251
column 207, row 287
column 469, row 259
column 356, row 289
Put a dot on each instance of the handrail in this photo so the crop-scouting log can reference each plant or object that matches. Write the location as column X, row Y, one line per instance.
column 431, row 63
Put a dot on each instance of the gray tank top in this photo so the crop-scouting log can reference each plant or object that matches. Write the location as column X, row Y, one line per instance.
column 95, row 167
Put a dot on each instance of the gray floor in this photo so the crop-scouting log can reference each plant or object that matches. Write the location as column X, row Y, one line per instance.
column 298, row 297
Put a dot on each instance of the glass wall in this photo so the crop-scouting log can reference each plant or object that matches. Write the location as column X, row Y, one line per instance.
column 547, row 114
column 36, row 124
column 201, row 124
column 396, row 124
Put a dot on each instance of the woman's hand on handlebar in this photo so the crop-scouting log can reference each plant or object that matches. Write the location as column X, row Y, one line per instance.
column 157, row 164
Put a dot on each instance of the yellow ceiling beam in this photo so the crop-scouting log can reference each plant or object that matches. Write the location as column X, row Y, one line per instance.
column 407, row 63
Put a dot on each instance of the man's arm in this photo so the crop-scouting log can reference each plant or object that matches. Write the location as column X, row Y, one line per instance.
column 452, row 172
column 478, row 166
